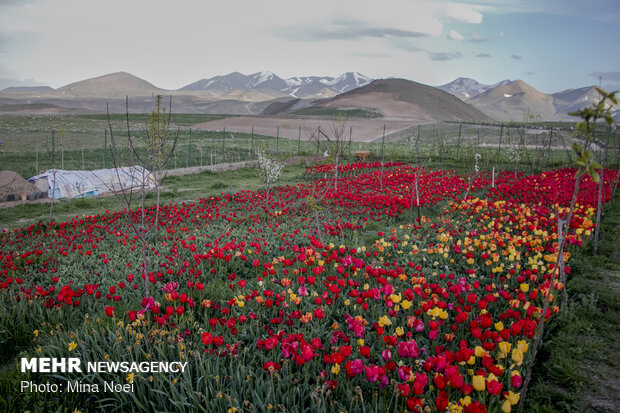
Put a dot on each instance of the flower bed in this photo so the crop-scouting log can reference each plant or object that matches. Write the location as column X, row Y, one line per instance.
column 365, row 312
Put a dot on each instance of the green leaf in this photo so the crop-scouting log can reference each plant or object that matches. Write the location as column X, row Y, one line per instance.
column 595, row 176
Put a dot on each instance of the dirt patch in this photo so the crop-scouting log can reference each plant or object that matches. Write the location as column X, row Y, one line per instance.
column 363, row 130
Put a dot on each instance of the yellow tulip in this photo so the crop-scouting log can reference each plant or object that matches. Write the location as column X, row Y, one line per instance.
column 513, row 398
column 517, row 355
column 478, row 382
column 504, row 347
column 506, row 407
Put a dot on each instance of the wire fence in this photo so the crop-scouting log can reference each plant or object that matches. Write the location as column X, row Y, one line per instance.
column 447, row 145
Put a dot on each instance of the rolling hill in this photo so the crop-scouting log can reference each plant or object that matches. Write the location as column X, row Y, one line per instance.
column 515, row 101
column 401, row 98
column 117, row 84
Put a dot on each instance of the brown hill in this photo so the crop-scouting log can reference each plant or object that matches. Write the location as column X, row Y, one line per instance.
column 515, row 101
column 400, row 98
column 111, row 85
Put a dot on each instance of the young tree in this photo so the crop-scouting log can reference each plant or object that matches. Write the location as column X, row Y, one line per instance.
column 160, row 146
column 157, row 155
column 269, row 169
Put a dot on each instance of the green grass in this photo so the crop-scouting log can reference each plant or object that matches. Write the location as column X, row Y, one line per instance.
column 182, row 119
column 579, row 364
column 336, row 112
column 175, row 189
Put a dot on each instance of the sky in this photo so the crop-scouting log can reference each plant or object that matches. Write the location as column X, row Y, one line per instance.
column 553, row 45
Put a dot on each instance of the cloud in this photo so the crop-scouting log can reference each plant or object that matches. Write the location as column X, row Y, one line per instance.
column 483, row 55
column 462, row 13
column 444, row 56
column 476, row 38
column 344, row 30
column 454, row 35
column 607, row 76
column 406, row 45
column 516, row 57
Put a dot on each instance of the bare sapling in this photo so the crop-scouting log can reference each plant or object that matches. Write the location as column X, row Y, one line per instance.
column 599, row 206
column 472, row 177
column 160, row 146
column 157, row 156
column 418, row 170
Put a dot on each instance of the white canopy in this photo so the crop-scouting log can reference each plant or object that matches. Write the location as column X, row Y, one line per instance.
column 79, row 184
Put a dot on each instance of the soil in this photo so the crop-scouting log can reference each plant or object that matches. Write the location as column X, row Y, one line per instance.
column 364, row 130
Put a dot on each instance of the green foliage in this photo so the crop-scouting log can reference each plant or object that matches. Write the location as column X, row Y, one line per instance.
column 586, row 128
column 334, row 112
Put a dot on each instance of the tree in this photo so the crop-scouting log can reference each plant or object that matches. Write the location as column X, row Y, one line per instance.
column 156, row 157
column 269, row 169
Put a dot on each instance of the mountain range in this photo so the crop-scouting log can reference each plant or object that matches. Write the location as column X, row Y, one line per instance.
column 269, row 94
column 298, row 87
column 465, row 88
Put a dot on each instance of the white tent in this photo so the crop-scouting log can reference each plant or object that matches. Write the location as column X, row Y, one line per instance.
column 79, row 184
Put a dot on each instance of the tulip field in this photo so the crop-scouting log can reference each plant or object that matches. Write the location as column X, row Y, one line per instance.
column 325, row 296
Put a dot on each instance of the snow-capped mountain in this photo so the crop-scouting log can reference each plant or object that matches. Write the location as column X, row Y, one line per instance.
column 465, row 88
column 299, row 87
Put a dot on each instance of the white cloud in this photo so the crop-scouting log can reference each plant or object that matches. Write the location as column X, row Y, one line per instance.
column 444, row 56
column 476, row 38
column 454, row 35
column 465, row 13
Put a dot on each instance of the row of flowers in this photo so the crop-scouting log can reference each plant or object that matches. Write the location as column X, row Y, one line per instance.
column 441, row 311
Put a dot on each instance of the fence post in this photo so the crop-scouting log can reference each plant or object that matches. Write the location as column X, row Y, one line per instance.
column 458, row 145
column 53, row 160
column 549, row 147
column 189, row 147
column 223, row 142
column 318, row 138
column 499, row 147
column 350, row 134
column 252, row 150
column 382, row 142
column 299, row 142
column 105, row 146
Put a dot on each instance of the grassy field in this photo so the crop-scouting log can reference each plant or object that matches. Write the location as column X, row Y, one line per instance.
column 32, row 144
column 577, row 368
